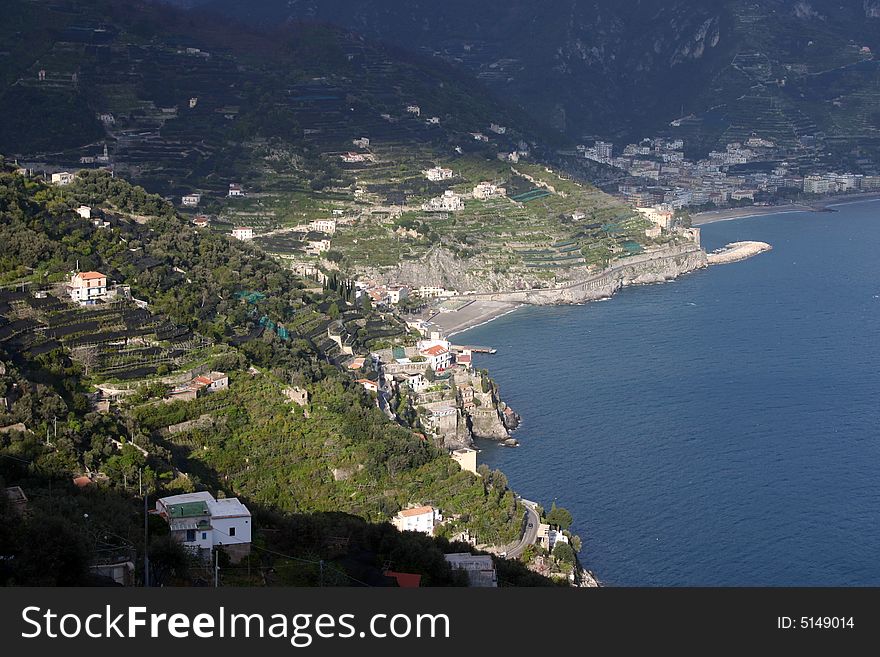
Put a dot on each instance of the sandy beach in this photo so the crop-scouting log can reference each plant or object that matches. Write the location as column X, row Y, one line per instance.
column 713, row 216
column 473, row 314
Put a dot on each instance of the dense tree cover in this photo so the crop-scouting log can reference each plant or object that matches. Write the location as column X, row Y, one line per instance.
column 345, row 456
column 559, row 517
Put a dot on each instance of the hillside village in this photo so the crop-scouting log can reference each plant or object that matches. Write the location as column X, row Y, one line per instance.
column 177, row 389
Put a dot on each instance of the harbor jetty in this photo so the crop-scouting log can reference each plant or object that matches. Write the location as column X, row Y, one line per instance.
column 736, row 251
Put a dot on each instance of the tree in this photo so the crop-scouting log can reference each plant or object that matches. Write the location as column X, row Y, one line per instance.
column 559, row 516
column 563, row 553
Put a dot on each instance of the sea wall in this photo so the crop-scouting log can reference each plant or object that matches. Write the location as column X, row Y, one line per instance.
column 655, row 267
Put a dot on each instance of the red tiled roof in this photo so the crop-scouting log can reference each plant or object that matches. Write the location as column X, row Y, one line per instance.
column 405, row 580
column 91, row 275
column 418, row 511
column 82, row 481
column 436, row 350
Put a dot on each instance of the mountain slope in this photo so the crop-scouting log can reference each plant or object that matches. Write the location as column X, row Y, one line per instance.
column 596, row 67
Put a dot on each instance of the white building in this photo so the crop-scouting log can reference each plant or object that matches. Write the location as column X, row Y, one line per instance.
column 480, row 568
column 420, row 519
column 193, row 102
column 498, row 129
column 87, row 287
column 323, row 226
column 235, row 190
column 201, row 522
column 369, row 386
column 437, row 354
column 63, row 178
column 191, row 200
column 243, row 233
column 604, row 150
column 397, row 294
column 449, row 202
column 363, row 142
column 414, row 109
column 434, row 292
column 436, row 174
column 487, row 190
column 416, row 381
column 84, row 211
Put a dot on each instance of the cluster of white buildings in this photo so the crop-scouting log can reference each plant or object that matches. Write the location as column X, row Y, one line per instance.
column 835, row 183
column 661, row 176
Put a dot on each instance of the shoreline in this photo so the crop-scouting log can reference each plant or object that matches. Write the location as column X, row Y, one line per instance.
column 476, row 313
column 820, row 205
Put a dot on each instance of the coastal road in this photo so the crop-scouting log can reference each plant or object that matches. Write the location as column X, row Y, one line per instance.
column 530, row 530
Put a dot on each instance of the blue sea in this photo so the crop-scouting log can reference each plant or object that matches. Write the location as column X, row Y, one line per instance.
column 722, row 429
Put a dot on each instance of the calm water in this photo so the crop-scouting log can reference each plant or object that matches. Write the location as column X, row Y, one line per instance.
column 723, row 429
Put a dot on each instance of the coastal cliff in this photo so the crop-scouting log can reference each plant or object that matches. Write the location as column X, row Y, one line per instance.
column 654, row 267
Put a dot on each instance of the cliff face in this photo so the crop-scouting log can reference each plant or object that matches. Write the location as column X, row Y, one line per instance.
column 656, row 267
column 442, row 268
column 486, row 420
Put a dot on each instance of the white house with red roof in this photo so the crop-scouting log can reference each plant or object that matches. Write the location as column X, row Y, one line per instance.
column 419, row 519
column 87, row 287
column 369, row 386
column 437, row 353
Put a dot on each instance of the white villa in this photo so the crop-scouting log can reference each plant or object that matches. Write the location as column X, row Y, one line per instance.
column 63, row 178
column 323, row 226
column 449, row 202
column 201, row 522
column 420, row 519
column 243, row 233
column 87, row 287
column 436, row 174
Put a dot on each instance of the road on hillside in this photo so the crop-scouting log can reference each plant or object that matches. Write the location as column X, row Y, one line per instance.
column 530, row 532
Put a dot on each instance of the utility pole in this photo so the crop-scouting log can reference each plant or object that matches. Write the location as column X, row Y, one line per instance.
column 55, row 422
column 146, row 531
column 216, row 567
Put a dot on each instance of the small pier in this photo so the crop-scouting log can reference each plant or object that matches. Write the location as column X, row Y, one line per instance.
column 473, row 349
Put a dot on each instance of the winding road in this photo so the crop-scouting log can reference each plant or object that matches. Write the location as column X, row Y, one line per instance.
column 531, row 520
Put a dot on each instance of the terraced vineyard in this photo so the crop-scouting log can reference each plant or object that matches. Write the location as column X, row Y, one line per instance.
column 115, row 341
